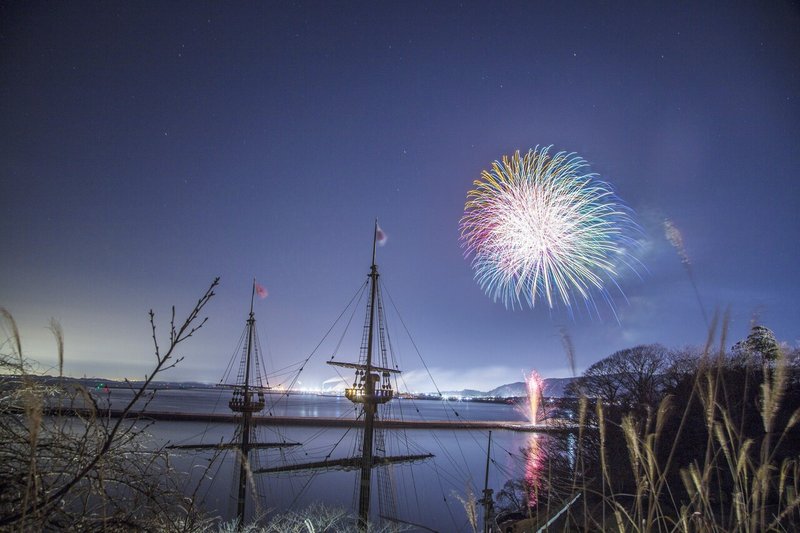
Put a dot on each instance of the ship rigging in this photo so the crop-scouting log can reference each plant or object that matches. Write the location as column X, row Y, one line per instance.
column 371, row 389
column 247, row 399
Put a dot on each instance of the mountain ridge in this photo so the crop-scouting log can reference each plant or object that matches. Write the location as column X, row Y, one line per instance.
column 551, row 387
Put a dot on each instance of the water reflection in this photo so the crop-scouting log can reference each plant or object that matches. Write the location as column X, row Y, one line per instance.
column 534, row 462
column 423, row 490
column 572, row 445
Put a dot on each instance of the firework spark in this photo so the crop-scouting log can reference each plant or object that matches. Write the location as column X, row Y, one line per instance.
column 542, row 226
column 534, row 386
column 534, row 466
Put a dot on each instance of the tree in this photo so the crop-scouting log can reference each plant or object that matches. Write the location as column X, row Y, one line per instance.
column 759, row 348
column 641, row 371
column 761, row 341
column 633, row 377
column 714, row 448
column 683, row 362
column 598, row 381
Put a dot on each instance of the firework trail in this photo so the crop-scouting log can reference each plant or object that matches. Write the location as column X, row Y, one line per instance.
column 540, row 226
column 675, row 238
column 534, row 386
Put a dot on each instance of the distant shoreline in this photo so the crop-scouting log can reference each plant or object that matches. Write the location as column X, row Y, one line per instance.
column 507, row 393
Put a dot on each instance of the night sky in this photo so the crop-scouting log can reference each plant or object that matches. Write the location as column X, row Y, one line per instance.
column 148, row 147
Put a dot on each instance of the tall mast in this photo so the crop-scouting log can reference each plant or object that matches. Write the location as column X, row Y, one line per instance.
column 242, row 402
column 370, row 391
column 247, row 399
column 369, row 405
column 244, row 445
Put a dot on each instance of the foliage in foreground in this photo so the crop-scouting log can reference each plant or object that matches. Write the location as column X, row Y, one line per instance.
column 315, row 519
column 665, row 441
column 668, row 442
column 66, row 465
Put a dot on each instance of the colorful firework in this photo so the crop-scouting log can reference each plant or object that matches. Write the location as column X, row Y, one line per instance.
column 542, row 226
column 534, row 386
column 534, row 466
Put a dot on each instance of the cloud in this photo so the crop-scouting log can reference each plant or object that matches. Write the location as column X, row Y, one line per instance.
column 337, row 384
column 418, row 380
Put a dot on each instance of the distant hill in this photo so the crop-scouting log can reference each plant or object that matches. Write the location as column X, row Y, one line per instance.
column 553, row 387
column 95, row 382
column 517, row 388
column 464, row 393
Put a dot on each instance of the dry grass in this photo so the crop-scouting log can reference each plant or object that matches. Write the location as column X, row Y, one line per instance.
column 84, row 472
column 719, row 454
column 315, row 519
column 68, row 469
column 722, row 455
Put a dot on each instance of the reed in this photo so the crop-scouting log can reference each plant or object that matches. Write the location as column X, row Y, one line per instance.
column 718, row 452
column 316, row 518
column 86, row 472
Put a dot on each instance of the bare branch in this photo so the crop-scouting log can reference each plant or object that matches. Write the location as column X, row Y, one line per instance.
column 153, row 328
column 48, row 500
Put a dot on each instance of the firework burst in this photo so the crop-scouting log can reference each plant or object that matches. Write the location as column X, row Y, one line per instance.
column 541, row 226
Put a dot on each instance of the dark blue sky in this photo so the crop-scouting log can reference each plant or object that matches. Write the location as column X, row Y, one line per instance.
column 147, row 148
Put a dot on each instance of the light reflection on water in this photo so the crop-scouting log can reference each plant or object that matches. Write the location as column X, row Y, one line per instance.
column 425, row 491
column 215, row 401
column 534, row 462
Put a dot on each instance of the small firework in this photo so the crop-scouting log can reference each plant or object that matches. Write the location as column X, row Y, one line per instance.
column 534, row 386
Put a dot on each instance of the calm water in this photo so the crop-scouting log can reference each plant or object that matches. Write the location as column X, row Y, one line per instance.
column 425, row 492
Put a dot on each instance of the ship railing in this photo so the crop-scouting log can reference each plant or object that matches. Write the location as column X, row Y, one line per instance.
column 358, row 395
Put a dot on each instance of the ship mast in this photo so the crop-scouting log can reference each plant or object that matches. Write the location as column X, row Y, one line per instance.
column 248, row 398
column 370, row 401
column 243, row 403
column 371, row 388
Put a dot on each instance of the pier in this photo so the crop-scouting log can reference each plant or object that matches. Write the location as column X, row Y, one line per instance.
column 555, row 426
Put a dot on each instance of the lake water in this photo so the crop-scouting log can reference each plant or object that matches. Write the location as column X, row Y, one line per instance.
column 425, row 492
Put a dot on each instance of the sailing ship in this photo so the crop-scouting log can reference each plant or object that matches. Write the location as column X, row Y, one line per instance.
column 370, row 392
column 247, row 399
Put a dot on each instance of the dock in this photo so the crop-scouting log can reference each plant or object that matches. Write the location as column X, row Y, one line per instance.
column 553, row 426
